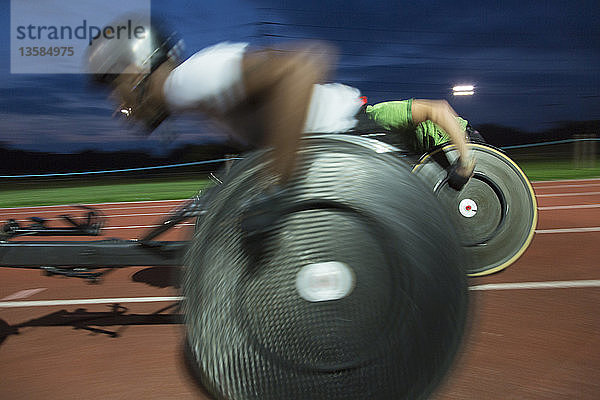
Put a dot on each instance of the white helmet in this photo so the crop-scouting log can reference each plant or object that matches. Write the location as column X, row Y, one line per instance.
column 132, row 40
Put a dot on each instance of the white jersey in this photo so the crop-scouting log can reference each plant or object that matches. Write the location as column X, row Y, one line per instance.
column 333, row 108
column 212, row 78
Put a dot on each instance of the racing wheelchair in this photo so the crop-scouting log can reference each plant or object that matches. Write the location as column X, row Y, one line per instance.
column 358, row 291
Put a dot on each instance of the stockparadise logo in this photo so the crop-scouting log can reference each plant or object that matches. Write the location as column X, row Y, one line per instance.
column 53, row 36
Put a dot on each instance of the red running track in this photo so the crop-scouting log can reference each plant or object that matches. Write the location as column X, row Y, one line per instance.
column 533, row 332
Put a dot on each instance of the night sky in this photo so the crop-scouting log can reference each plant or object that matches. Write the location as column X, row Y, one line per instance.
column 533, row 63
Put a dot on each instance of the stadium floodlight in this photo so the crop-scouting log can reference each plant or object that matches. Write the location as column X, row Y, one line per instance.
column 463, row 90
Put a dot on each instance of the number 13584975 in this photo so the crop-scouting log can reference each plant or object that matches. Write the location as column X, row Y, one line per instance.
column 50, row 51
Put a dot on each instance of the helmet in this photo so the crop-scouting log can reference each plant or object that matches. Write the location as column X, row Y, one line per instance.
column 134, row 41
column 142, row 44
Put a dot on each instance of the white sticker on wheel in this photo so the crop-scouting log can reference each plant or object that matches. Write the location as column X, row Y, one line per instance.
column 467, row 208
column 324, row 281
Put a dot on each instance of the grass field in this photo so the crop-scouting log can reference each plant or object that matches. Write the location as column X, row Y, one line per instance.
column 555, row 170
column 82, row 191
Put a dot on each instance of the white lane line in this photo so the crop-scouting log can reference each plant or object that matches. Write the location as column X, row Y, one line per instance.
column 95, row 204
column 106, row 216
column 538, row 285
column 569, row 207
column 130, row 227
column 23, row 294
column 566, row 180
column 46, row 303
column 144, row 215
column 569, row 230
column 567, row 194
column 101, row 209
column 489, row 286
column 567, row 186
column 147, row 226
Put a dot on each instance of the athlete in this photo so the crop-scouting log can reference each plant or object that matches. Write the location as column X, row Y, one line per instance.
column 421, row 124
column 262, row 95
column 267, row 97
column 424, row 124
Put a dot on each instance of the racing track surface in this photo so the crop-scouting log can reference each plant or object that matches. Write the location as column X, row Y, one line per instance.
column 533, row 335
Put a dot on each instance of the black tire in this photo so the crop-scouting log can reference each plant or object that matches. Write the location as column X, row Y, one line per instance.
column 391, row 334
column 502, row 215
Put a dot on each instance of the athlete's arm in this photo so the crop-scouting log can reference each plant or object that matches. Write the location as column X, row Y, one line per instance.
column 440, row 113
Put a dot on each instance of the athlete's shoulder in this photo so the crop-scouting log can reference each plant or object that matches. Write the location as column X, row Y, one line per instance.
column 222, row 49
column 211, row 76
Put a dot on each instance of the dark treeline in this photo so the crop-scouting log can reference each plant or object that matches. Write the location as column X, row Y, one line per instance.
column 15, row 162
column 499, row 136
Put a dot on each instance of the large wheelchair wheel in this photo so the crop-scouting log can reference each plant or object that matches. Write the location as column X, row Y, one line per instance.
column 352, row 296
column 495, row 213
